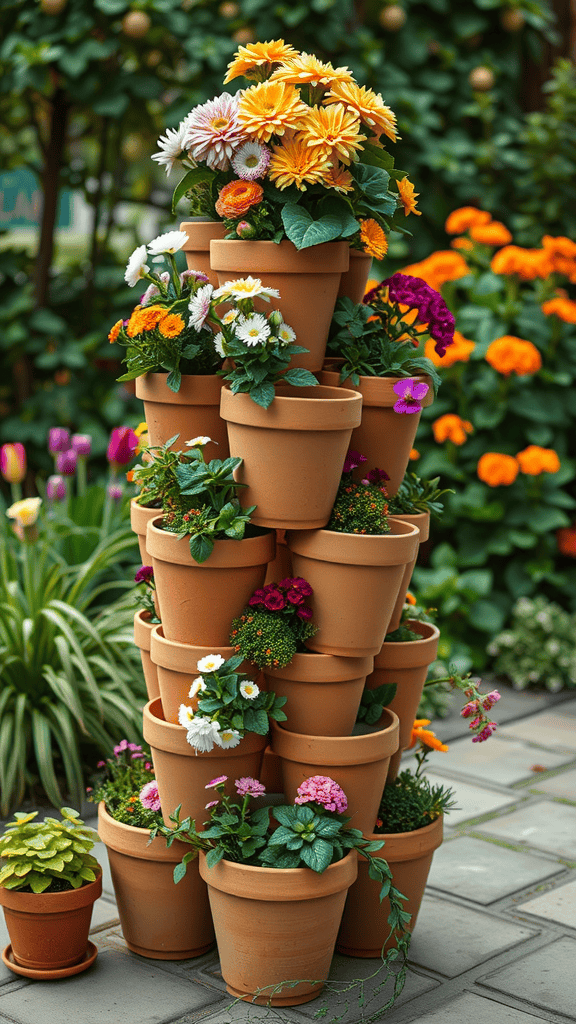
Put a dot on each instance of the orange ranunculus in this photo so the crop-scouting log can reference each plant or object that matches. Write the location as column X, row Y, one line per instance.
column 564, row 309
column 236, row 198
column 458, row 352
column 114, row 331
column 534, row 460
column 438, row 268
column 566, row 539
column 171, row 326
column 451, row 428
column 493, row 233
column 497, row 470
column 527, row 264
column 373, row 238
column 513, row 355
column 463, row 243
column 464, row 218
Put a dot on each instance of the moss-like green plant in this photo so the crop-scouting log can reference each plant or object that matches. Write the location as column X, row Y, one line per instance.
column 47, row 854
column 412, row 802
column 401, row 635
column 359, row 508
column 120, row 783
column 275, row 624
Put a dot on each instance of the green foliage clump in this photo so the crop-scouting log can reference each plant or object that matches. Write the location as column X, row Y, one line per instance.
column 120, row 783
column 537, row 648
column 416, row 495
column 402, row 635
column 47, row 855
column 374, row 701
column 267, row 639
column 359, row 508
column 412, row 802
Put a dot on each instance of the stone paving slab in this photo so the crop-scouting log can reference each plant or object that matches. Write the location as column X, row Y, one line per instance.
column 104, row 915
column 472, row 801
column 562, row 785
column 568, row 707
column 547, row 825
column 551, row 729
column 545, row 978
column 557, row 905
column 470, row 1007
column 499, row 761
column 484, row 872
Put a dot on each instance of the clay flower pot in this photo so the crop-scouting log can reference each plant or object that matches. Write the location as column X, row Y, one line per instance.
column 197, row 249
column 422, row 521
column 192, row 411
column 385, row 437
column 274, row 925
column 281, row 567
column 405, row 664
column 358, row 764
column 323, row 691
column 140, row 516
column 182, row 774
column 49, row 931
column 308, row 282
column 354, row 280
column 293, row 452
column 142, row 636
column 199, row 600
column 160, row 920
column 364, row 929
column 355, row 579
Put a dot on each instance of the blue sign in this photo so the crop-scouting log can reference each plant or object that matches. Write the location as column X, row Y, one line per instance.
column 21, row 201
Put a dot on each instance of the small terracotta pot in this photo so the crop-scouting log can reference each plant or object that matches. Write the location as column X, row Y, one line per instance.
column 160, row 920
column 355, row 579
column 199, row 601
column 271, row 772
column 177, row 669
column 49, row 931
column 274, row 925
column 140, row 516
column 422, row 521
column 182, row 774
column 364, row 929
column 354, row 280
column 293, row 452
column 357, row 763
column 197, row 249
column 281, row 567
column 405, row 664
column 385, row 437
column 192, row 411
column 142, row 636
column 308, row 282
column 323, row 691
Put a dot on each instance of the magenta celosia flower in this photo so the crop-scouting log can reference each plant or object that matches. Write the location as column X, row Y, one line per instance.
column 322, row 790
column 274, row 601
column 249, row 787
column 414, row 293
column 144, row 575
column 66, row 462
column 58, row 440
column 485, row 734
column 82, row 445
column 411, row 393
column 122, row 445
column 216, row 782
column 353, row 460
column 149, row 797
column 490, row 700
column 13, row 462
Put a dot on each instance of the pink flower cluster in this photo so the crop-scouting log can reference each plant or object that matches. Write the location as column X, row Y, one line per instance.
column 476, row 710
column 289, row 593
column 149, row 797
column 322, row 790
column 249, row 787
column 125, row 745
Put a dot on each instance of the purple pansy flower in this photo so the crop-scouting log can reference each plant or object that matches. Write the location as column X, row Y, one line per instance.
column 411, row 393
column 353, row 460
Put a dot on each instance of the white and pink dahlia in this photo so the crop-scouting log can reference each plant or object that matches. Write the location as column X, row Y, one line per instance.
column 213, row 132
column 251, row 161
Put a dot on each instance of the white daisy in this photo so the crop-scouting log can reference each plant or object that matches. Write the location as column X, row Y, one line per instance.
column 136, row 266
column 286, row 334
column 170, row 241
column 246, row 288
column 253, row 330
column 197, row 686
column 210, row 663
column 249, row 690
column 199, row 306
column 228, row 738
column 219, row 345
column 251, row 161
column 170, row 146
column 185, row 715
column 199, row 442
column 203, row 734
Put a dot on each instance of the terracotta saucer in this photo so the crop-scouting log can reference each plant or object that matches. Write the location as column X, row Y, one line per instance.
column 62, row 972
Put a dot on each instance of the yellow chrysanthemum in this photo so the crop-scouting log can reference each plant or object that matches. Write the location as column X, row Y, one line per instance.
column 269, row 108
column 305, row 69
column 373, row 238
column 250, row 60
column 293, row 163
column 339, row 178
column 332, row 131
column 369, row 106
column 408, row 197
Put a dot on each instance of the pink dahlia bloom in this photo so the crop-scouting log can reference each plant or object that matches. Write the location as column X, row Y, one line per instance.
column 149, row 796
column 321, row 789
column 214, row 132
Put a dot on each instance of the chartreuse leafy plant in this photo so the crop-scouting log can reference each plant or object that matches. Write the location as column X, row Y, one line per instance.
column 47, row 855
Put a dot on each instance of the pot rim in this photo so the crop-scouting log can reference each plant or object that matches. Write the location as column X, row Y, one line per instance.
column 139, row 516
column 132, row 841
column 334, row 668
column 143, row 629
column 420, row 841
column 170, row 738
column 419, row 519
column 168, row 653
column 240, row 256
column 332, row 751
column 296, row 409
column 205, row 230
column 283, row 885
column 195, row 389
column 379, row 391
column 227, row 553
column 52, row 902
column 399, row 547
column 393, row 653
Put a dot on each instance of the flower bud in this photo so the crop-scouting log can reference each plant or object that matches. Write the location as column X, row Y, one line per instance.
column 244, row 229
column 13, row 462
column 66, row 462
column 82, row 444
column 115, row 492
column 58, row 440
column 122, row 446
column 56, row 488
column 275, row 319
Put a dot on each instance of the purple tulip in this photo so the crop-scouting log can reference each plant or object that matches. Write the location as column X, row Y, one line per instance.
column 122, row 446
column 58, row 440
column 82, row 445
column 66, row 462
column 115, row 492
column 56, row 488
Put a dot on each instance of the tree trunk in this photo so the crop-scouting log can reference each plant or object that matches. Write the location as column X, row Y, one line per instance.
column 51, row 190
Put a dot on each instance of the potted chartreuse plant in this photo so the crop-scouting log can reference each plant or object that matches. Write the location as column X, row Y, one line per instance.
column 49, row 883
column 286, row 870
column 157, row 921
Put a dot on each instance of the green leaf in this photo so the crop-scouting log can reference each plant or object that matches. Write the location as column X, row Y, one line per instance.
column 179, row 872
column 174, row 380
column 318, row 855
column 263, row 394
column 372, row 181
column 300, row 378
column 304, row 231
column 193, row 177
column 201, row 547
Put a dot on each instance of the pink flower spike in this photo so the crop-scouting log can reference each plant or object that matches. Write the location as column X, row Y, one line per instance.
column 216, row 782
column 490, row 699
column 470, row 709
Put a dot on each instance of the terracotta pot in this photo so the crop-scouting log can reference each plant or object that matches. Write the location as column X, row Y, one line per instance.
column 354, row 280
column 182, row 774
column 176, row 665
column 323, row 691
column 49, row 931
column 142, row 634
column 357, row 763
column 192, row 411
column 160, row 920
column 197, row 249
column 405, row 664
column 140, row 516
column 385, row 437
column 364, row 929
column 271, row 772
column 422, row 521
column 274, row 925
column 355, row 579
column 308, row 282
column 293, row 452
column 199, row 601
column 281, row 567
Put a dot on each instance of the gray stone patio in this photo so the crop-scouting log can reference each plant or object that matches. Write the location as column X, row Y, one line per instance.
column 495, row 941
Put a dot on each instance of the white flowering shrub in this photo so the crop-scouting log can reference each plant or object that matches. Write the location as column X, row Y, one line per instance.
column 538, row 647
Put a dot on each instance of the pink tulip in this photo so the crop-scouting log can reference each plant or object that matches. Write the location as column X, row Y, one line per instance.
column 13, row 462
column 66, row 462
column 56, row 488
column 82, row 444
column 58, row 440
column 122, row 446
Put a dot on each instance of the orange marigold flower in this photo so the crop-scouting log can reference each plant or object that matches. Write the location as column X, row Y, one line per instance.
column 410, row 599
column 369, row 106
column 293, row 163
column 114, row 332
column 534, row 460
column 130, row 476
column 339, row 177
column 171, row 326
column 438, row 268
column 373, row 238
column 408, row 197
column 564, row 309
column 566, row 540
column 135, row 323
column 250, row 60
column 414, row 454
column 463, row 243
column 513, row 355
column 451, row 428
column 150, row 317
column 560, row 246
column 459, row 352
column 493, row 233
column 236, row 198
column 269, row 108
column 464, row 218
column 527, row 264
column 333, row 132
column 497, row 470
